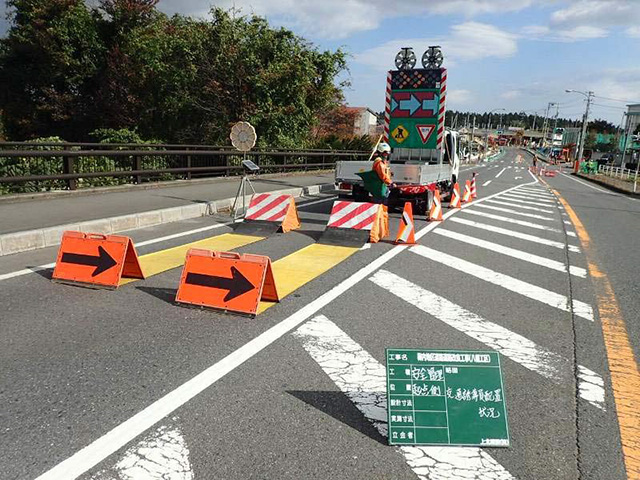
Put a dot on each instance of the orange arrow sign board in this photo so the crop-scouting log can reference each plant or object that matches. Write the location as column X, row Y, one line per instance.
column 96, row 260
column 226, row 281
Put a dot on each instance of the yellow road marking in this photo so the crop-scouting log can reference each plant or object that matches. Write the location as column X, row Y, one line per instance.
column 299, row 268
column 625, row 377
column 163, row 260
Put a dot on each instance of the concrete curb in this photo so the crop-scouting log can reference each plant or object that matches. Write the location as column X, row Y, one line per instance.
column 26, row 240
column 615, row 186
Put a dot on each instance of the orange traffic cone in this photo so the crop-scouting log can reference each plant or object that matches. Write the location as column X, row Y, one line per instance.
column 435, row 214
column 407, row 229
column 474, row 193
column 466, row 198
column 455, row 197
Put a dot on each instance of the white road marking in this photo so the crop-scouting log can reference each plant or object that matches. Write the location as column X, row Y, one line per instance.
column 500, row 172
column 161, row 455
column 486, row 183
column 567, row 222
column 512, row 252
column 110, row 442
column 515, row 212
column 26, row 271
column 518, row 348
column 512, row 233
column 363, row 380
column 602, row 190
column 519, row 201
column 512, row 220
column 522, row 207
column 530, row 196
column 366, row 246
column 530, row 201
column 507, row 282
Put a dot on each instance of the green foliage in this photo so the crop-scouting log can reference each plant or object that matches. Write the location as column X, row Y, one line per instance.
column 70, row 69
column 334, row 142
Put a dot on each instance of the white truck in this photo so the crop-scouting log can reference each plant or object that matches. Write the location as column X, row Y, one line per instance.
column 415, row 172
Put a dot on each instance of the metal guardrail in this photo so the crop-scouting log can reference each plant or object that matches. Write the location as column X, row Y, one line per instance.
column 621, row 173
column 65, row 167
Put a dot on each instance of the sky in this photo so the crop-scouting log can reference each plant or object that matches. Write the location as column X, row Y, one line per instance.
column 513, row 54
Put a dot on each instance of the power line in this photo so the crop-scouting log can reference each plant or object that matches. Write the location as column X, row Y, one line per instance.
column 615, row 99
column 608, row 106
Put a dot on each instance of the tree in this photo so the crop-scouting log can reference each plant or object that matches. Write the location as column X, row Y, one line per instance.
column 48, row 62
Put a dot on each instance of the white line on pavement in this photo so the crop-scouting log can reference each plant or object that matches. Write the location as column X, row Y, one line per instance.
column 363, row 380
column 525, row 202
column 602, row 190
column 512, row 252
column 110, row 442
column 531, row 196
column 500, row 172
column 515, row 212
column 507, row 282
column 486, row 183
column 513, row 233
column 512, row 220
column 533, row 201
column 522, row 207
column 518, row 348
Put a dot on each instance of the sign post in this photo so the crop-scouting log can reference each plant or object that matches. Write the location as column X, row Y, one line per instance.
column 446, row 397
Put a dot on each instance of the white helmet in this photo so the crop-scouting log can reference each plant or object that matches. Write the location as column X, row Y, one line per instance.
column 383, row 147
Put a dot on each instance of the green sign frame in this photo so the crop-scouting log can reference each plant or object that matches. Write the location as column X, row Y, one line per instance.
column 446, row 397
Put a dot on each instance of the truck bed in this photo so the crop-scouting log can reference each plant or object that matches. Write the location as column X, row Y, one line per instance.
column 401, row 173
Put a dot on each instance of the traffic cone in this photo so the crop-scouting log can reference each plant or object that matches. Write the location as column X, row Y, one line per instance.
column 455, row 197
column 407, row 229
column 435, row 214
column 474, row 193
column 466, row 198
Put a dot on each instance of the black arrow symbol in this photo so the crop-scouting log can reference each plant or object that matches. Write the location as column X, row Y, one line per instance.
column 237, row 284
column 102, row 262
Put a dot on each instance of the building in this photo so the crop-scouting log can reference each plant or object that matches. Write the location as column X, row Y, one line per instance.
column 364, row 122
column 631, row 125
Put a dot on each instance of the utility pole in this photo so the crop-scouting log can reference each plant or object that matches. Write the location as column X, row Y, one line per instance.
column 473, row 134
column 585, row 120
column 546, row 125
column 626, row 142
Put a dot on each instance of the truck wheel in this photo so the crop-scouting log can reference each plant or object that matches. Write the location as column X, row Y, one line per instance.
column 360, row 194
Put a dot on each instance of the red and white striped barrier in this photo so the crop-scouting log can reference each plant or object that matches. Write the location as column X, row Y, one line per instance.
column 441, row 107
column 269, row 207
column 361, row 217
column 387, row 109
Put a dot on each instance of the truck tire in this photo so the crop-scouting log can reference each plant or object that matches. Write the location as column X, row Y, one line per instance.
column 360, row 194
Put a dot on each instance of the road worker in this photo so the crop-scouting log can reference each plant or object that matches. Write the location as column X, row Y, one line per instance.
column 380, row 191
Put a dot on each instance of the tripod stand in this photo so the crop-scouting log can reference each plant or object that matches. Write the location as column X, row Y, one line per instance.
column 242, row 191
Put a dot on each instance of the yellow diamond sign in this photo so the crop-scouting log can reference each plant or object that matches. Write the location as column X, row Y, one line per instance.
column 400, row 134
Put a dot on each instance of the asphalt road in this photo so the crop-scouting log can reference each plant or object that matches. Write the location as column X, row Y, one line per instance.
column 296, row 392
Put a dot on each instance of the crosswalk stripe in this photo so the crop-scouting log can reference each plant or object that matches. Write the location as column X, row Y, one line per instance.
column 507, row 282
column 510, row 344
column 533, row 193
column 525, row 202
column 515, row 212
column 363, row 380
column 513, row 233
column 522, row 207
column 530, row 196
column 512, row 252
column 539, row 190
column 512, row 220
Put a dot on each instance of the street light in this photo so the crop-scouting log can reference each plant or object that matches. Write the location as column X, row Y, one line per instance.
column 588, row 94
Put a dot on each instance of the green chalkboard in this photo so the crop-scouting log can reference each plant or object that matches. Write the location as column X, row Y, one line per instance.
column 446, row 397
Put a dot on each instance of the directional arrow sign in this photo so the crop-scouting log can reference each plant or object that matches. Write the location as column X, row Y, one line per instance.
column 236, row 285
column 103, row 261
column 416, row 104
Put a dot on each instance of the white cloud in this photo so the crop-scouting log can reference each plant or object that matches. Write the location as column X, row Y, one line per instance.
column 342, row 18
column 633, row 32
column 458, row 98
column 578, row 33
column 511, row 94
column 602, row 13
column 467, row 41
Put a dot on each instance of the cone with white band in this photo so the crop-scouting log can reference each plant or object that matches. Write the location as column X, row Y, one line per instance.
column 435, row 214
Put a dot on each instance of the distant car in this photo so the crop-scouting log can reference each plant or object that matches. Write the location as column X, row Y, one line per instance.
column 606, row 159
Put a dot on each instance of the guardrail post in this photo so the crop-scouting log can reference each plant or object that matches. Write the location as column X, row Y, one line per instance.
column 137, row 165
column 67, row 168
column 189, row 166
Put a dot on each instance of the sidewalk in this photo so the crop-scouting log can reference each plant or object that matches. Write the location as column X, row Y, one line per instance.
column 39, row 222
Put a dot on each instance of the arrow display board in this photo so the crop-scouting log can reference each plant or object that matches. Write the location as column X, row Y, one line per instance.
column 416, row 105
column 226, row 281
column 446, row 397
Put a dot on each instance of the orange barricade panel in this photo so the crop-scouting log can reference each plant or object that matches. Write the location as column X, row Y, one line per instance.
column 226, row 281
column 97, row 260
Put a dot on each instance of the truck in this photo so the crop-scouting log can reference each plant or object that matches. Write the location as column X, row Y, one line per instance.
column 425, row 155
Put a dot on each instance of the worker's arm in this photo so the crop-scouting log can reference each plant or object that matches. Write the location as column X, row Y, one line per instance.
column 383, row 173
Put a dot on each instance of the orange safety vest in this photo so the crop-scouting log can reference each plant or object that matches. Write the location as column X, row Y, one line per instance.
column 382, row 170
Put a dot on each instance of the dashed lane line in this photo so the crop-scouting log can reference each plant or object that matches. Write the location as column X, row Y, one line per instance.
column 500, row 172
column 515, row 212
column 363, row 380
column 534, row 292
column 625, row 376
column 510, row 344
column 512, row 252
column 515, row 234
column 486, row 183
